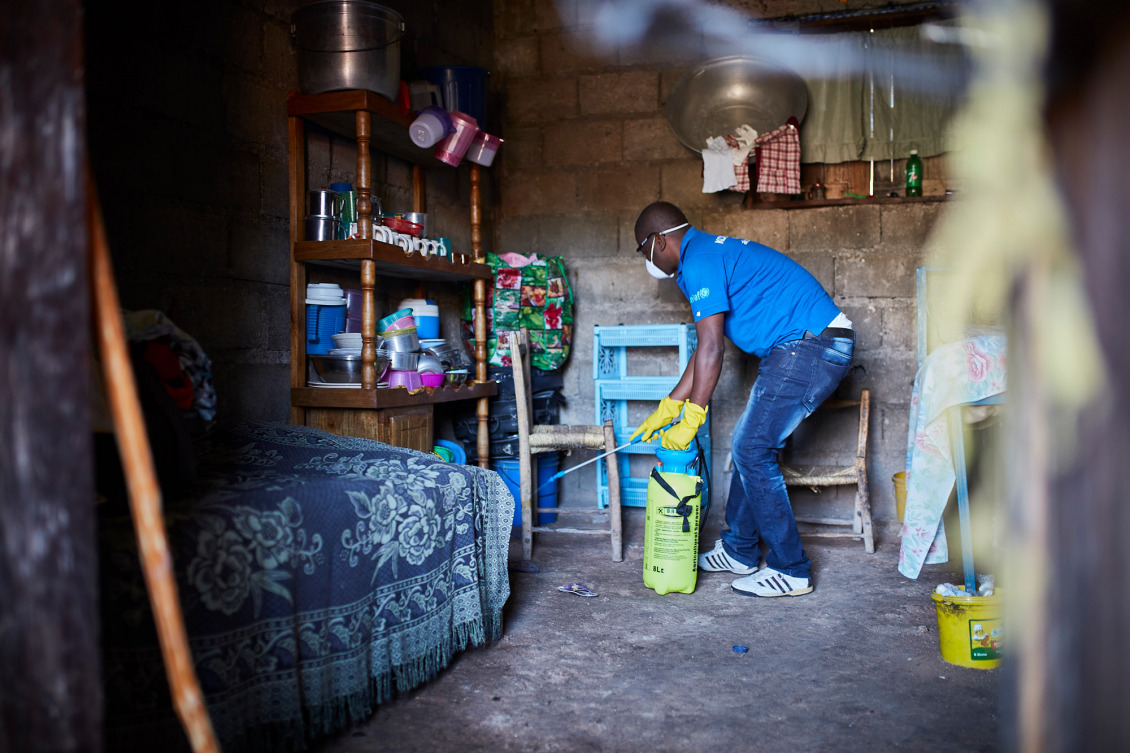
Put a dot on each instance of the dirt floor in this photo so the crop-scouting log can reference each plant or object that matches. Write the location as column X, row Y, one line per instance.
column 853, row 666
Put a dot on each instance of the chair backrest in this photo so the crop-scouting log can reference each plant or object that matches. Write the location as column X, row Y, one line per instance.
column 519, row 347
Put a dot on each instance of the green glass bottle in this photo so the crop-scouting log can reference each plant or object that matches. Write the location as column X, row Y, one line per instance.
column 914, row 174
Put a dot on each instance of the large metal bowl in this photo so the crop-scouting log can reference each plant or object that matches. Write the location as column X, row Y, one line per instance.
column 719, row 95
column 338, row 369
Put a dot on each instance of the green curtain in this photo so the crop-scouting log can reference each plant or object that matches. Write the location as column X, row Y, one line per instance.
column 871, row 116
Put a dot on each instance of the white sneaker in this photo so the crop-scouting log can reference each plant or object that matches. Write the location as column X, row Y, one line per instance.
column 769, row 582
column 718, row 561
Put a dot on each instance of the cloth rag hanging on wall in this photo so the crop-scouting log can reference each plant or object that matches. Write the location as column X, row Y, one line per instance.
column 717, row 166
column 778, row 160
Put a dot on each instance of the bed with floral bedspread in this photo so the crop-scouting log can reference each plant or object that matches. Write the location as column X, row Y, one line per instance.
column 318, row 575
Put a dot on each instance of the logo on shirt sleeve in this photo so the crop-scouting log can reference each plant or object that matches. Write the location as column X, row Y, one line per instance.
column 700, row 294
column 719, row 239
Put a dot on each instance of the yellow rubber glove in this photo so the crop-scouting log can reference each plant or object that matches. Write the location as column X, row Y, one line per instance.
column 667, row 412
column 679, row 436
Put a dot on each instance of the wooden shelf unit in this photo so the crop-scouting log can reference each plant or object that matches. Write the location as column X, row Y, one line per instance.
column 388, row 415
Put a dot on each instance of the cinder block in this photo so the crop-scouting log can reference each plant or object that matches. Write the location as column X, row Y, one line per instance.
column 569, row 52
column 682, row 186
column 907, row 227
column 518, row 57
column 619, row 188
column 820, row 266
column 553, row 14
column 583, row 143
column 520, row 151
column 889, row 376
column 259, row 249
column 577, row 236
column 768, row 227
column 274, row 174
column 855, row 227
column 519, row 234
column 280, row 61
column 876, row 275
column 537, row 101
column 651, row 139
column 900, row 326
column 631, row 92
column 867, row 319
column 539, row 193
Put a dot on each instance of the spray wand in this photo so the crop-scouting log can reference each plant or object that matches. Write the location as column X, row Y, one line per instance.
column 559, row 474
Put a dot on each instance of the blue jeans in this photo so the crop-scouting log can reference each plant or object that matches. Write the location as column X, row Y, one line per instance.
column 792, row 380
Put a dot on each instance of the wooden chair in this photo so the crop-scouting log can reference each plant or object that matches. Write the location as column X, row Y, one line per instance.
column 534, row 439
column 841, row 475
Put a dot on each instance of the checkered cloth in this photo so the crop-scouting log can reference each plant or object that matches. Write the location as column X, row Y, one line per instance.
column 741, row 170
column 778, row 160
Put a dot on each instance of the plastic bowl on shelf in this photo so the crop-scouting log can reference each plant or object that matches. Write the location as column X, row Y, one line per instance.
column 404, row 322
column 403, row 226
column 384, row 323
column 408, row 379
column 432, row 380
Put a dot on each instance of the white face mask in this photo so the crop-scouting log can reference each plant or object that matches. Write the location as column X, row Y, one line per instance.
column 653, row 270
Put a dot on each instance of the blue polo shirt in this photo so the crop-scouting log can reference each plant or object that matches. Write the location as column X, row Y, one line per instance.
column 768, row 298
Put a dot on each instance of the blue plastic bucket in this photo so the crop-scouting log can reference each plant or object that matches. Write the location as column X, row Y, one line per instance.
column 458, row 455
column 322, row 323
column 462, row 87
column 547, row 497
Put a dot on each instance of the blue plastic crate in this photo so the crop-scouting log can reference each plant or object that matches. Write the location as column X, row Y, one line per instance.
column 610, row 344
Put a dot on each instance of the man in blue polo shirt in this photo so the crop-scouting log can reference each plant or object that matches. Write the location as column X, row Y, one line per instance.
column 770, row 306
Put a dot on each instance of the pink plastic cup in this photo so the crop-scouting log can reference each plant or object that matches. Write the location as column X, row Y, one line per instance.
column 452, row 148
column 483, row 148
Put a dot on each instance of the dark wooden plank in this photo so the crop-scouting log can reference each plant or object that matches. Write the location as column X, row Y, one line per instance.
column 391, row 261
column 49, row 647
column 321, row 397
column 334, row 111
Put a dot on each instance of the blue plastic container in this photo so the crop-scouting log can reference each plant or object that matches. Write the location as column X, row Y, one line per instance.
column 462, row 87
column 427, row 327
column 322, row 323
column 547, row 497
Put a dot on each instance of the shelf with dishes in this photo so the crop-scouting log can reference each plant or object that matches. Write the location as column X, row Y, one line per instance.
column 341, row 396
column 389, row 260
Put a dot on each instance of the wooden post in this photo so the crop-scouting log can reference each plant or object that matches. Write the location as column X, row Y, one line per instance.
column 368, row 268
column 296, row 135
column 480, row 297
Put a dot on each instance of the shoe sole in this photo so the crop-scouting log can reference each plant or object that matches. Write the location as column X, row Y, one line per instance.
column 797, row 592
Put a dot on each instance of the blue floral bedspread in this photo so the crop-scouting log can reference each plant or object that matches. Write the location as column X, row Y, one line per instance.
column 318, row 574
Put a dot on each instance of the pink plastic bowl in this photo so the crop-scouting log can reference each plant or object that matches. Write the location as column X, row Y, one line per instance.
column 405, row 322
column 408, row 379
column 432, row 380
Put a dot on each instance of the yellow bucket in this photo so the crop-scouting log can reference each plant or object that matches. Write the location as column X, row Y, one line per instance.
column 899, row 480
column 969, row 630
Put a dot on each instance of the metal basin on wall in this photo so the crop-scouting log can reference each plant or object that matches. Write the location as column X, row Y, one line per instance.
column 719, row 95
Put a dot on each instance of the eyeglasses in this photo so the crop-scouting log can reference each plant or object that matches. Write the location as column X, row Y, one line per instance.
column 639, row 248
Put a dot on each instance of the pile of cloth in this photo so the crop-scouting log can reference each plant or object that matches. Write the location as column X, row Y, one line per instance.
column 775, row 156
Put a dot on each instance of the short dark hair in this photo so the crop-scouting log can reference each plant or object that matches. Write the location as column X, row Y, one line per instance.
column 657, row 217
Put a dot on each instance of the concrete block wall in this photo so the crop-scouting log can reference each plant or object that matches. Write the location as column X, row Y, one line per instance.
column 587, row 147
